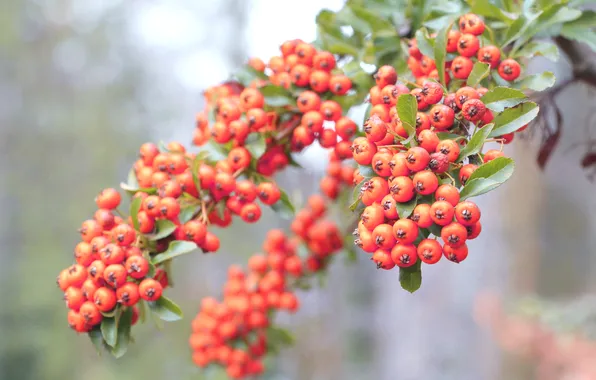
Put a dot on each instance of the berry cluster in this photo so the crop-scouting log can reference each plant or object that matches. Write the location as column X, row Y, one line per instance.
column 234, row 333
column 291, row 104
column 110, row 268
column 410, row 180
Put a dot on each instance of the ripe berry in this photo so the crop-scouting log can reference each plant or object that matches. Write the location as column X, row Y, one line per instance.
column 137, row 267
column 461, row 67
column 425, row 182
column 474, row 230
column 421, row 216
column 428, row 140
column 402, row 189
column 492, row 154
column 447, row 193
column 471, row 23
column 112, row 254
column 363, row 150
column 452, row 38
column 467, row 213
column 454, row 234
column 464, row 94
column 442, row 212
column 124, row 235
column 74, row 298
column 150, row 289
column 115, row 275
column 383, row 236
column 331, row 110
column 489, row 54
column 211, row 243
column 90, row 313
column 105, row 299
column 383, row 259
column 449, row 148
column 76, row 321
column 417, row 158
column 404, row 255
column 405, row 231
column 372, row 216
column 439, row 163
column 250, row 212
column 456, row 254
column 429, row 251
column 399, row 165
column 389, row 207
column 128, row 294
column 340, row 84
column 473, row 109
column 465, row 172
column 386, row 75
column 468, row 45
column 432, row 92
column 509, row 69
column 442, row 117
column 375, row 128
column 108, row 199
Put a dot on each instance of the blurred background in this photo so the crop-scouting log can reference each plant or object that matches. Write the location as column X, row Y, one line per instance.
column 84, row 83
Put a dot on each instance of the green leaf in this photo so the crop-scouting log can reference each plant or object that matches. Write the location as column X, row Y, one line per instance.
column 109, row 330
column 540, row 48
column 488, row 177
column 135, row 206
column 247, row 74
column 356, row 194
column 476, row 142
column 366, row 171
column 425, row 43
column 500, row 98
column 515, row 30
column 96, row 338
column 166, row 310
column 277, row 96
column 585, row 36
column 411, row 278
column 256, row 144
column 407, row 108
column 440, row 50
column 284, row 206
column 196, row 165
column 404, row 210
column 132, row 185
column 545, row 20
column 537, row 82
column 186, row 213
column 175, row 248
column 486, row 9
column 163, row 228
column 124, row 325
column 337, row 45
column 279, row 336
column 375, row 21
column 479, row 72
column 514, row 118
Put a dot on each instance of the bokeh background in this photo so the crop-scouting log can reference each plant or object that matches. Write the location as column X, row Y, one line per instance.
column 84, row 83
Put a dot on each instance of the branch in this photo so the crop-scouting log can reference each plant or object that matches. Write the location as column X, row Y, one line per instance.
column 582, row 64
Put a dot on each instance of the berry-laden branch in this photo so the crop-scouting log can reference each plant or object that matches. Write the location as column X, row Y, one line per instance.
column 422, row 152
column 121, row 264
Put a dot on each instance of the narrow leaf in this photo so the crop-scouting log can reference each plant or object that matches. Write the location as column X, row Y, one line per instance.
column 356, row 194
column 407, row 108
column 109, row 331
column 96, row 338
column 166, row 310
column 479, row 72
column 135, row 206
column 425, row 43
column 175, row 249
column 540, row 48
column 404, row 210
column 500, row 98
column 163, row 228
column 276, row 96
column 488, row 177
column 440, row 50
column 256, row 144
column 537, row 82
column 476, row 142
column 124, row 325
column 186, row 214
column 515, row 29
column 514, row 118
column 284, row 206
column 411, row 278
